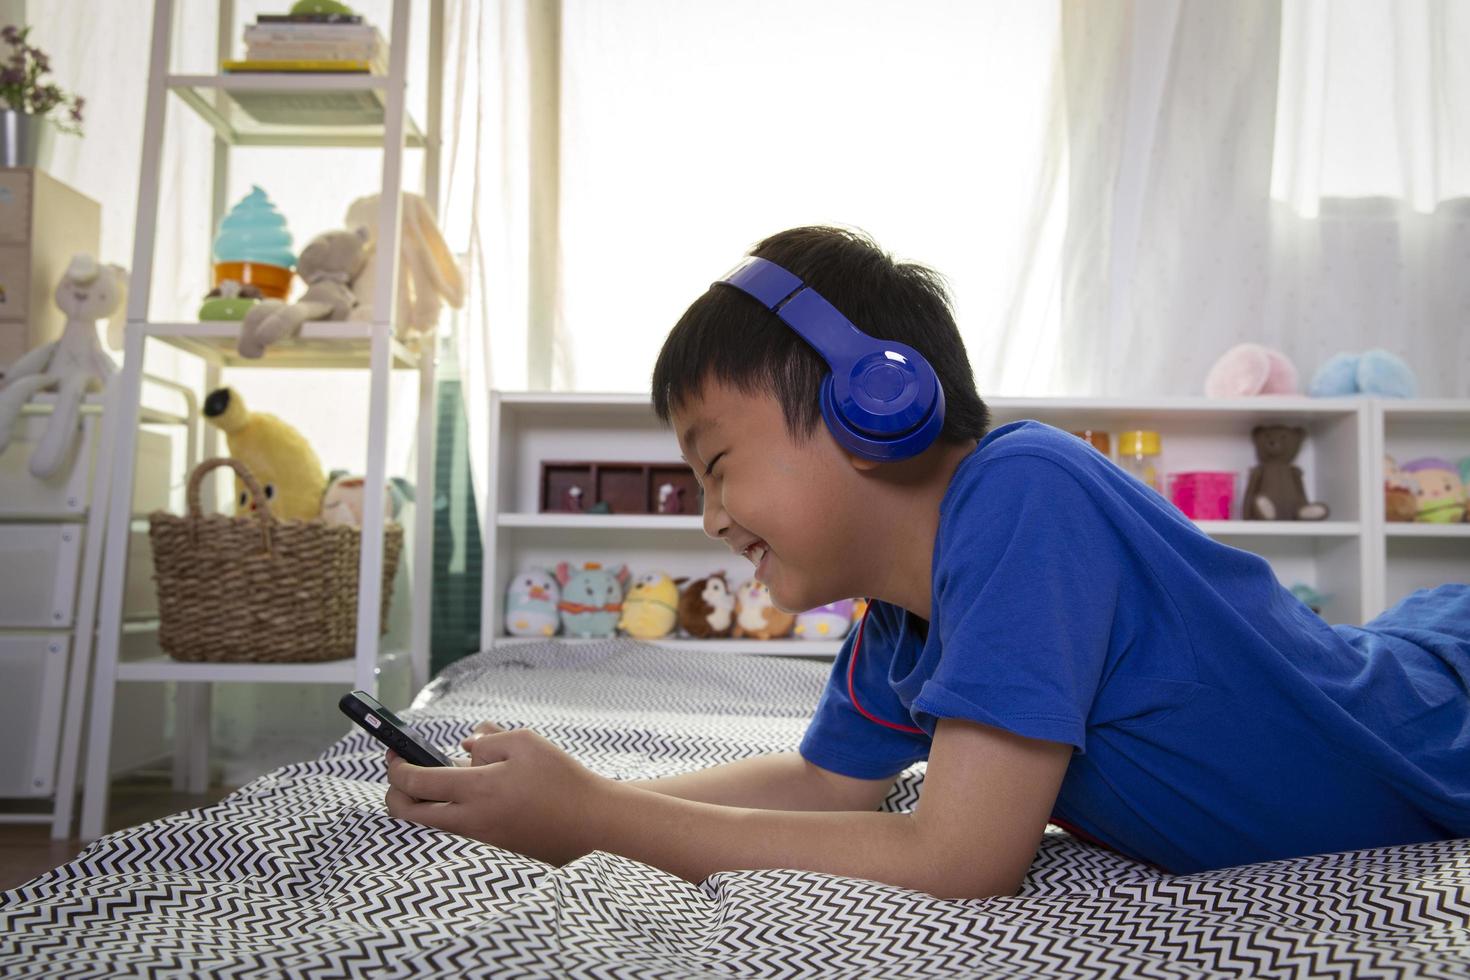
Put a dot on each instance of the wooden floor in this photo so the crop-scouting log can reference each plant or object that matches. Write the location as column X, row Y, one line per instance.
column 27, row 850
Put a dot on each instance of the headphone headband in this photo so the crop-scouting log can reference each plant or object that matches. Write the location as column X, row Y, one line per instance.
column 881, row 399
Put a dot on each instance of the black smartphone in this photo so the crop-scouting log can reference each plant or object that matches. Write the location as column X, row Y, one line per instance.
column 389, row 729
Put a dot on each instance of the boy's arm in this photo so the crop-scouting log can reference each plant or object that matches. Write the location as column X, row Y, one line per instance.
column 986, row 799
column 784, row 781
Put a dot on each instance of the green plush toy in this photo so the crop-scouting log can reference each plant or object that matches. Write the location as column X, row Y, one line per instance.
column 320, row 7
column 229, row 301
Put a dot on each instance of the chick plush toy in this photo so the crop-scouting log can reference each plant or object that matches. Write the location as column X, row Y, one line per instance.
column 278, row 456
column 530, row 604
column 756, row 615
column 651, row 607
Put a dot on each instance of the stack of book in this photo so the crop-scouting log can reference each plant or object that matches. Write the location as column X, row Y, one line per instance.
column 312, row 43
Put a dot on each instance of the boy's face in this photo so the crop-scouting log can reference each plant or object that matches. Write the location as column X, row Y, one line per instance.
column 787, row 505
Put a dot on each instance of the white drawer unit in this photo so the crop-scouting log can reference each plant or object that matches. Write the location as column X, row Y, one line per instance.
column 65, row 495
column 38, row 574
column 32, row 684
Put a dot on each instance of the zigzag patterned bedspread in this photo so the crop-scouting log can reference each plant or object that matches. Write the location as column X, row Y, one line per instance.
column 302, row 873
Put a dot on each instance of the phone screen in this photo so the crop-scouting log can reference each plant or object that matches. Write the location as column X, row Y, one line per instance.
column 389, row 729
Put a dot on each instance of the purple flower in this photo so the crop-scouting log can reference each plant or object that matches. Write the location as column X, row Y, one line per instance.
column 12, row 76
column 10, row 34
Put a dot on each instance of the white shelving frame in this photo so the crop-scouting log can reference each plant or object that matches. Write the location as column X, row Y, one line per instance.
column 344, row 345
column 1351, row 556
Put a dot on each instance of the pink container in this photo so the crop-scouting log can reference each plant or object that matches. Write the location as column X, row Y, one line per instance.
column 1203, row 496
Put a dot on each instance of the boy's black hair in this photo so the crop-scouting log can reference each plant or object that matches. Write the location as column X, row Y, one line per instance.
column 727, row 336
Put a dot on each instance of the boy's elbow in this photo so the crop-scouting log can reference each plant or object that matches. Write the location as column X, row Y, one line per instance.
column 954, row 874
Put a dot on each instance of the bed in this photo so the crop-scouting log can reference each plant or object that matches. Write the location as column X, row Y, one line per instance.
column 302, row 873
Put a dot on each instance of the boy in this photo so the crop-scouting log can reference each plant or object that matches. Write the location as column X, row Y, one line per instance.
column 1055, row 638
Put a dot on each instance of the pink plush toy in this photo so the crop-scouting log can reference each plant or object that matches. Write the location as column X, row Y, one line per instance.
column 1251, row 369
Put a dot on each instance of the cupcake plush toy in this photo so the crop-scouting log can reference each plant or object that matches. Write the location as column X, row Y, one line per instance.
column 253, row 247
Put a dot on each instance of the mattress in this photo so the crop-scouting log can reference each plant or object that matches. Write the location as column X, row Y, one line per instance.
column 303, row 873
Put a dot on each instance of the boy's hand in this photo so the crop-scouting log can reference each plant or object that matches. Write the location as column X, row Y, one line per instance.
column 518, row 792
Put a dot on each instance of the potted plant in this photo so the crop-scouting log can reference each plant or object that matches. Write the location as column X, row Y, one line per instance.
column 30, row 106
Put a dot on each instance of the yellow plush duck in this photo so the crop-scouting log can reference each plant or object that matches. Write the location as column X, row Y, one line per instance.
column 651, row 607
column 278, row 456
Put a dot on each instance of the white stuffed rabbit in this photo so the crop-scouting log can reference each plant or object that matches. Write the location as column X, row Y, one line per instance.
column 428, row 275
column 73, row 364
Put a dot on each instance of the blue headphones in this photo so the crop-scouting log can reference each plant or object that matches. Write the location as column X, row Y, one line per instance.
column 881, row 399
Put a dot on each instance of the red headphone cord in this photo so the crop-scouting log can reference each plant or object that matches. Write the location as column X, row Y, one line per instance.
column 857, row 645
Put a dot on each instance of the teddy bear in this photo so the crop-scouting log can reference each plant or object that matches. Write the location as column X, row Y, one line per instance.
column 707, row 607
column 1275, row 491
column 329, row 265
column 428, row 274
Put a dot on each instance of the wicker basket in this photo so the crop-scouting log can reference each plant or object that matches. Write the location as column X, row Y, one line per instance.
column 257, row 589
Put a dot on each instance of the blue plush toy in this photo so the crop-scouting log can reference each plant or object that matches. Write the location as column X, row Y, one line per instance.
column 1373, row 372
column 591, row 599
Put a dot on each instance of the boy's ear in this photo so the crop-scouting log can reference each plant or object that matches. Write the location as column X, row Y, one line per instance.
column 860, row 463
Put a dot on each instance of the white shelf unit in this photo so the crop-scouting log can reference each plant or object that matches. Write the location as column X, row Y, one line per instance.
column 1420, row 556
column 1359, row 561
column 378, row 119
column 528, row 427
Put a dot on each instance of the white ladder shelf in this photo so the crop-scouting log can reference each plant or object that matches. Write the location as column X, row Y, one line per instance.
column 346, row 345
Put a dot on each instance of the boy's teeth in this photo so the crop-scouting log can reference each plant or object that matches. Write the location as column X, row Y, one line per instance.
column 755, row 553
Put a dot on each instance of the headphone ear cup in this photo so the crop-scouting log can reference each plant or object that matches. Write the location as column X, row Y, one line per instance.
column 884, row 449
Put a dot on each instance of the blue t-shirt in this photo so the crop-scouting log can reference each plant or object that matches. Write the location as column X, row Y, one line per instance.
column 1216, row 720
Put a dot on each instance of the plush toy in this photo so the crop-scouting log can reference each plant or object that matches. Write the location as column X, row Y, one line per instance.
column 342, row 502
column 1373, row 372
column 329, row 265
column 1438, row 488
column 707, row 608
column 73, row 364
column 1400, row 504
column 651, row 607
column 428, row 275
column 531, row 604
column 1251, row 369
column 1310, row 597
column 253, row 247
column 229, row 301
column 278, row 456
column 591, row 599
column 1275, row 491
column 829, row 622
column 756, row 616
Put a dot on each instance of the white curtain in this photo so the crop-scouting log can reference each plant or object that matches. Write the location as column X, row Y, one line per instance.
column 1203, row 215
column 1117, row 191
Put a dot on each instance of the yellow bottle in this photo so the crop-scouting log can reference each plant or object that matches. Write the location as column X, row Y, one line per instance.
column 1139, row 453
